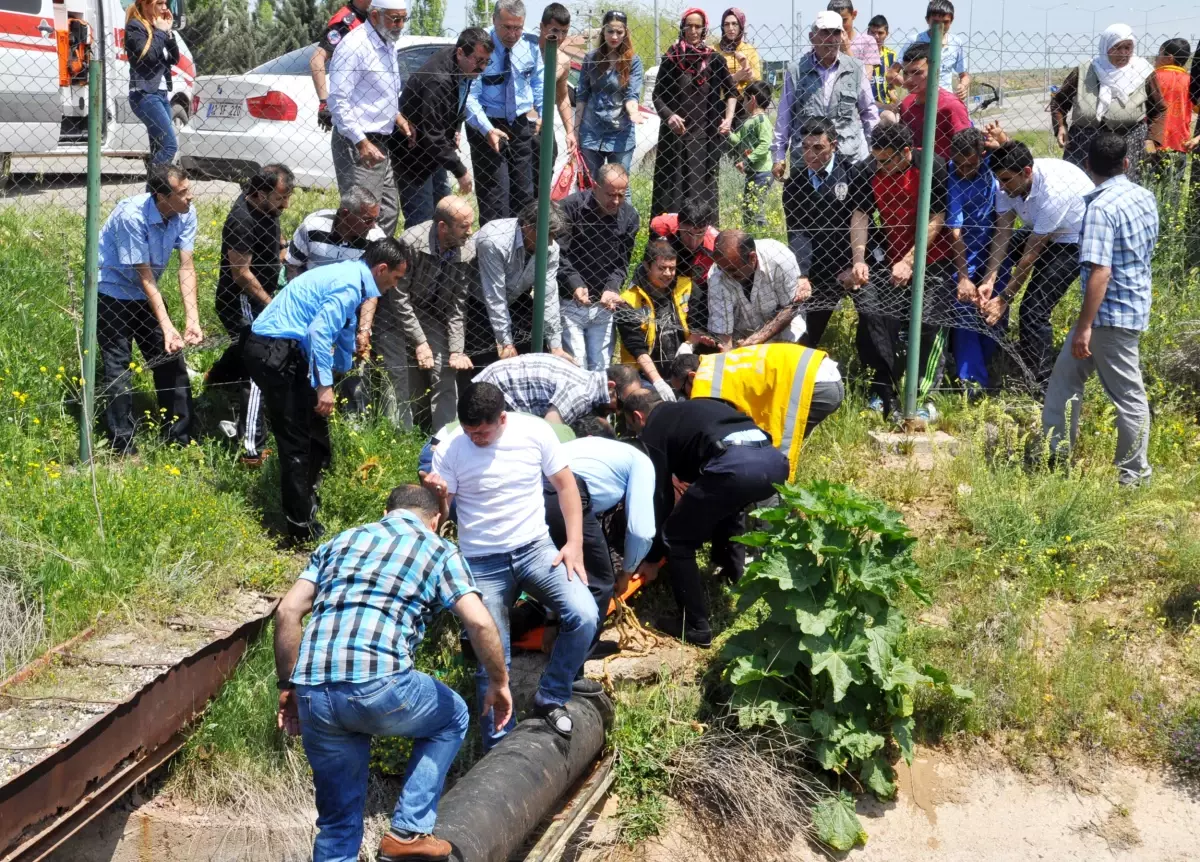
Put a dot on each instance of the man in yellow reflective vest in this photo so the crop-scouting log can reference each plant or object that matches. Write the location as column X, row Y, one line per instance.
column 654, row 324
column 787, row 389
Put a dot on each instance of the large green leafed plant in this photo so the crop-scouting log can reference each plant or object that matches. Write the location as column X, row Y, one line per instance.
column 827, row 661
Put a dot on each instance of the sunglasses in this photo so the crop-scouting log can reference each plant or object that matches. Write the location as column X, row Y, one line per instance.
column 616, row 16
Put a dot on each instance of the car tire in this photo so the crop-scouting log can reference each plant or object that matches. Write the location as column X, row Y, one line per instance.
column 179, row 117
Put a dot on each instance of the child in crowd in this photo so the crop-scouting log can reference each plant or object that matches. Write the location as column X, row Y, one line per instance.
column 1173, row 80
column 883, row 80
column 752, row 145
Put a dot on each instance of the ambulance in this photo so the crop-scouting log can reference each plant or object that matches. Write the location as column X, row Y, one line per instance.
column 45, row 47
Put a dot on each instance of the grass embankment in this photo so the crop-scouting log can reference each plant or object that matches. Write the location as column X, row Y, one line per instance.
column 1064, row 603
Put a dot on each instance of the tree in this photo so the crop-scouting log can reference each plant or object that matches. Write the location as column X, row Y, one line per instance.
column 222, row 38
column 478, row 13
column 297, row 23
column 425, row 17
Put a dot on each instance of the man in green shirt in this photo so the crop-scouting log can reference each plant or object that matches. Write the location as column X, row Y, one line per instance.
column 752, row 147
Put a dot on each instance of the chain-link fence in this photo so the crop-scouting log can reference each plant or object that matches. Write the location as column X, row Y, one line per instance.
column 829, row 242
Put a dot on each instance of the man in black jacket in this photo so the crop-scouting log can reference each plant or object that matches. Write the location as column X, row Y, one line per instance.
column 730, row 464
column 434, row 102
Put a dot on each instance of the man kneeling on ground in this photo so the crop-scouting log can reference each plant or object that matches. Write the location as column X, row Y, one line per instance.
column 349, row 675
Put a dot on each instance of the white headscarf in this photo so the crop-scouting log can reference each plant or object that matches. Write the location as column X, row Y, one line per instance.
column 1118, row 83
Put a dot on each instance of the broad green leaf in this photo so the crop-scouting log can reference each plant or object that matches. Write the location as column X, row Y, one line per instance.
column 913, row 580
column 772, row 514
column 809, row 614
column 903, row 673
column 823, row 723
column 861, row 745
column 752, row 668
column 879, row 654
column 826, row 754
column 837, row 824
column 962, row 692
column 755, row 538
column 878, row 775
column 902, row 731
column 843, row 669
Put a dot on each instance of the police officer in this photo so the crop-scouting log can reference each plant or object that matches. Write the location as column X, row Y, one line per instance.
column 340, row 23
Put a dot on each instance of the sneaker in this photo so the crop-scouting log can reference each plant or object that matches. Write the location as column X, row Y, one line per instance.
column 928, row 412
column 672, row 624
column 253, row 462
column 875, row 405
column 228, row 428
column 418, row 848
column 585, row 687
column 557, row 717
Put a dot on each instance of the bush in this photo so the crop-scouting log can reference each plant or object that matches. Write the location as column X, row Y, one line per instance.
column 827, row 662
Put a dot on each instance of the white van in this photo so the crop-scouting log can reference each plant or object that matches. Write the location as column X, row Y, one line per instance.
column 44, row 46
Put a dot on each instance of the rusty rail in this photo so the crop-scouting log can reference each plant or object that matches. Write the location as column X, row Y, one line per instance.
column 51, row 800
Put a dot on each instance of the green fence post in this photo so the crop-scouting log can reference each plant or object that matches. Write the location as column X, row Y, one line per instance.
column 912, row 378
column 91, row 257
column 546, row 177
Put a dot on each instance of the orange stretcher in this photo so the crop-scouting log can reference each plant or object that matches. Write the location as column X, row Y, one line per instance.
column 531, row 641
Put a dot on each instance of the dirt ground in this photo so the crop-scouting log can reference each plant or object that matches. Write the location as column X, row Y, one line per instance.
column 975, row 808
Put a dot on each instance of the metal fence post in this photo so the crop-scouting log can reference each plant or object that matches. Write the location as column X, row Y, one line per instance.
column 546, row 177
column 91, row 258
column 912, row 379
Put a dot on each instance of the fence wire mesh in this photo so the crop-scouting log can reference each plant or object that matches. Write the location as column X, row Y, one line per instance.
column 243, row 97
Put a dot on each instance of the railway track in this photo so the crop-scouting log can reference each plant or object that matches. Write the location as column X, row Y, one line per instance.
column 90, row 718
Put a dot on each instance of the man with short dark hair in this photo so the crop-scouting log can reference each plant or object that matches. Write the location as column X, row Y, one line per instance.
column 730, row 464
column 492, row 467
column 754, row 291
column 135, row 246
column 860, row 45
column 954, row 45
column 434, row 102
column 348, row 675
column 1047, row 195
column 251, row 247
column 502, row 115
column 292, row 351
column 952, row 116
column 419, row 329
column 505, row 249
column 1120, row 228
column 692, row 236
column 601, row 230
column 552, row 387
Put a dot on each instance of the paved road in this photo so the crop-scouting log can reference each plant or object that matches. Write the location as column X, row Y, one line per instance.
column 1023, row 112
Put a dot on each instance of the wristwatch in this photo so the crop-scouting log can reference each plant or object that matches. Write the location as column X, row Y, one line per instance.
column 285, row 685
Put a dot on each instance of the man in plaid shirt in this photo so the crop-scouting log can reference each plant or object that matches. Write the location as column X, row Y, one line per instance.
column 348, row 675
column 552, row 387
column 1120, row 228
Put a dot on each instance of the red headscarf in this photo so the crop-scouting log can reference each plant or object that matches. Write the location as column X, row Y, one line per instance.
column 692, row 59
column 726, row 45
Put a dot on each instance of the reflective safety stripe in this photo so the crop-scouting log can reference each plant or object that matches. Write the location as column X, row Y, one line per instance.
column 718, row 373
column 794, row 399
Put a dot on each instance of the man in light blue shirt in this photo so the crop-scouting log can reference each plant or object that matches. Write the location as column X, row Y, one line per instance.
column 135, row 247
column 292, row 350
column 502, row 116
column 954, row 53
column 617, row 471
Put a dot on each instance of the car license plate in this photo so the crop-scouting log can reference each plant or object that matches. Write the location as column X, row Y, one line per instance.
column 224, row 110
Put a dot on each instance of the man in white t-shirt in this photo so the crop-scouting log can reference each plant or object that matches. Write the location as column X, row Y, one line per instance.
column 1047, row 195
column 492, row 466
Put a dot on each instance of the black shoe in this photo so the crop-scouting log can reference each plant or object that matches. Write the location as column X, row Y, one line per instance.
column 556, row 717
column 672, row 624
column 585, row 687
column 299, row 537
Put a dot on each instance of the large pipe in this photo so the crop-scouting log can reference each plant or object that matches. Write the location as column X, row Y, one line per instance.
column 494, row 807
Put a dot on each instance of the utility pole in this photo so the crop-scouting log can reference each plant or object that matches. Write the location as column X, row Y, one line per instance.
column 1046, row 36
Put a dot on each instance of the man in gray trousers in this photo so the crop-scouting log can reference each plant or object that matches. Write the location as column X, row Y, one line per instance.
column 1120, row 228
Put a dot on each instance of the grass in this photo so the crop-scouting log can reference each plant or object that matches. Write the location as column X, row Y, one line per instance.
column 1067, row 604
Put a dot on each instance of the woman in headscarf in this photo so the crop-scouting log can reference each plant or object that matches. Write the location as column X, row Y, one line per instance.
column 695, row 96
column 740, row 56
column 1115, row 91
column 606, row 100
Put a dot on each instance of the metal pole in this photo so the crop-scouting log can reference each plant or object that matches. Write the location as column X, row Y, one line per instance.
column 912, row 379
column 91, row 257
column 657, row 52
column 793, row 28
column 545, row 174
column 1001, row 76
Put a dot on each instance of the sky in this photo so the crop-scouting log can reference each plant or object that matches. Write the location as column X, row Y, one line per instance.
column 1070, row 23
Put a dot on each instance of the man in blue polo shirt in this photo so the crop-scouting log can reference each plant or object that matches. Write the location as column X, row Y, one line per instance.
column 292, row 351
column 135, row 246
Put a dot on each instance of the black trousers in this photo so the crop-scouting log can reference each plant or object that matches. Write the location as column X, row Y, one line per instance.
column 503, row 180
column 280, row 368
column 119, row 324
column 597, row 561
column 1056, row 269
column 230, row 370
column 875, row 338
column 712, row 508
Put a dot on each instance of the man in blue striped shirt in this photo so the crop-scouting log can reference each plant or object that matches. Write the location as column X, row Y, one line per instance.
column 1120, row 228
column 348, row 675
column 292, row 350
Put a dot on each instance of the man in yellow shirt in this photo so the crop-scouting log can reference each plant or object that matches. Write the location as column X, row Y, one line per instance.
column 783, row 387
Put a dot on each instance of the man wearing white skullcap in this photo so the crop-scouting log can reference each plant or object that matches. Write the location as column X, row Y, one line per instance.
column 364, row 101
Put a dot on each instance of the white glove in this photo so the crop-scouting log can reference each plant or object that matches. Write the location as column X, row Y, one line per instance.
column 664, row 390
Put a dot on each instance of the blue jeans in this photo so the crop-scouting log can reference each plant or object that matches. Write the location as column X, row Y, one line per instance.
column 588, row 333
column 337, row 721
column 595, row 159
column 501, row 578
column 155, row 112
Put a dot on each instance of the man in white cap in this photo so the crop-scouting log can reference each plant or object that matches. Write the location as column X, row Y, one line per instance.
column 825, row 83
column 364, row 100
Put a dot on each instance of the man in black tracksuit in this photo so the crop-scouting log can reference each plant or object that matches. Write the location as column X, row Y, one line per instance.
column 434, row 102
column 729, row 463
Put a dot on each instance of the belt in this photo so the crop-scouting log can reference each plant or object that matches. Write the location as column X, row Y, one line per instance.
column 748, row 444
column 251, row 335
